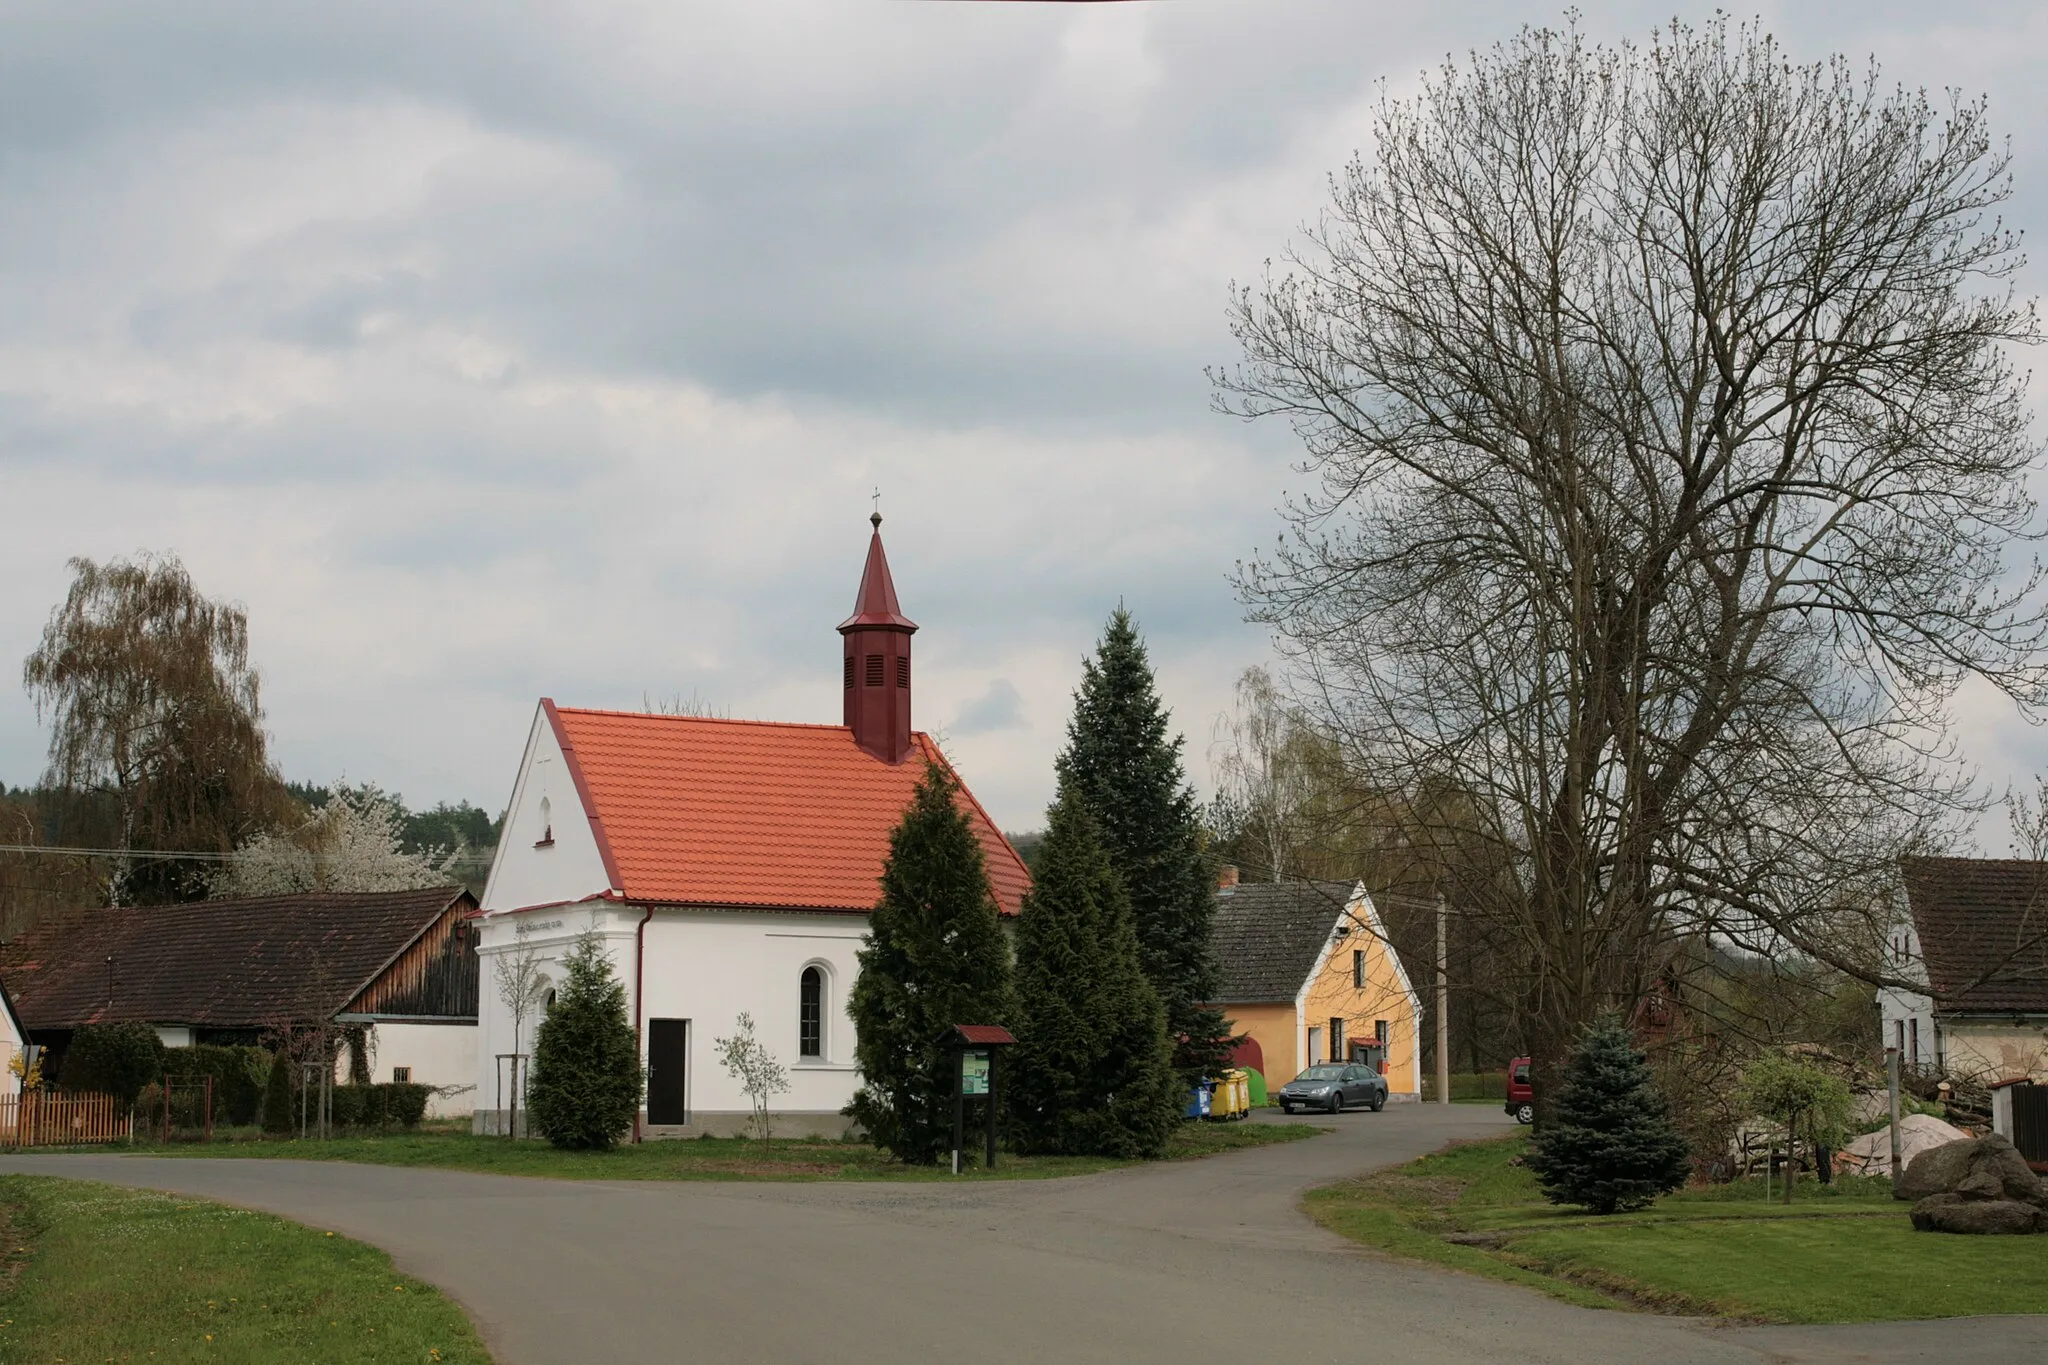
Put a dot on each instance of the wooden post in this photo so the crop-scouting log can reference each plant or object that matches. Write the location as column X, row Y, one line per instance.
column 1891, row 1072
column 959, row 1107
column 992, row 1108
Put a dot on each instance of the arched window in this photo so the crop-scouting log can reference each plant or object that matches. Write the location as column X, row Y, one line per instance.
column 547, row 824
column 810, row 1020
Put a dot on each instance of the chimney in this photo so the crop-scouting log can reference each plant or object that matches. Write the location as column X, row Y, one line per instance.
column 1226, row 877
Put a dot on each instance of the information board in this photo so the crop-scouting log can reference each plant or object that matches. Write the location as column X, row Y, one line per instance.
column 974, row 1073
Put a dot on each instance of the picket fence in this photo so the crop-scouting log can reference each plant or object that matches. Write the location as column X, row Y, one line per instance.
column 38, row 1120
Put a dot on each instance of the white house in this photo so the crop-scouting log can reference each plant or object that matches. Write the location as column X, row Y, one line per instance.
column 728, row 867
column 1978, row 936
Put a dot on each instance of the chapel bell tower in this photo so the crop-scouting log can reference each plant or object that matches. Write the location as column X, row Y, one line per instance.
column 876, row 666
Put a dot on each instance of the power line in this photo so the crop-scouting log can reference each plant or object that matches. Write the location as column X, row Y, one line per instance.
column 165, row 855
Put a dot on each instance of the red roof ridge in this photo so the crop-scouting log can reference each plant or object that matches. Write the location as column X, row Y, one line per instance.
column 934, row 754
column 698, row 720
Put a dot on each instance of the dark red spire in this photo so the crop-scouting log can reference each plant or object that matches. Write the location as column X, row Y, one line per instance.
column 876, row 664
column 876, row 605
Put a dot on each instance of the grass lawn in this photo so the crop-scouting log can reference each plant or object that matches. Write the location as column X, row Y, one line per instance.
column 1840, row 1254
column 713, row 1158
column 93, row 1273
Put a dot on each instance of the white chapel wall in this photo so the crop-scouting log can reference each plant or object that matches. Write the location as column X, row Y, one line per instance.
column 707, row 966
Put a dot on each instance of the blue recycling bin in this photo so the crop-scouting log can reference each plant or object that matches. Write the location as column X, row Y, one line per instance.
column 1199, row 1100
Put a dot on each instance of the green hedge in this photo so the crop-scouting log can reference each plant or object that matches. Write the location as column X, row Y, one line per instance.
column 387, row 1104
column 237, row 1073
column 1470, row 1085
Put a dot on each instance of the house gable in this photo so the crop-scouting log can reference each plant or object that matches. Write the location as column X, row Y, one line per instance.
column 551, row 851
column 1981, row 932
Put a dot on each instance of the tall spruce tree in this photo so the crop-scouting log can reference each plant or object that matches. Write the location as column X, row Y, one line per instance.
column 934, row 957
column 1092, row 1072
column 1122, row 761
column 586, row 1060
column 1608, row 1143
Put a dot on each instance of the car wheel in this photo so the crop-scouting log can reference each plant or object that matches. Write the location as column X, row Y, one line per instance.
column 1379, row 1102
column 1337, row 1102
column 1525, row 1112
column 1287, row 1109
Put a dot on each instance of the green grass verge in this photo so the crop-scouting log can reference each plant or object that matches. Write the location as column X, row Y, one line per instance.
column 715, row 1158
column 1844, row 1253
column 95, row 1273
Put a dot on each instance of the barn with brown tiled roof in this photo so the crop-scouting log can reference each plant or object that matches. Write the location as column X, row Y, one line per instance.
column 402, row 964
column 729, row 866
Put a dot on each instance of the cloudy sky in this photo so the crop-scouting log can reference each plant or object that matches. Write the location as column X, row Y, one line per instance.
column 490, row 351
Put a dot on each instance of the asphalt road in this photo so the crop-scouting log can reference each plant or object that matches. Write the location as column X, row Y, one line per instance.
column 1180, row 1262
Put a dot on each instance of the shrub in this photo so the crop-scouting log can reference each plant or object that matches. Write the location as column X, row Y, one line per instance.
column 237, row 1073
column 280, row 1097
column 1608, row 1143
column 382, row 1105
column 113, row 1059
column 586, row 1062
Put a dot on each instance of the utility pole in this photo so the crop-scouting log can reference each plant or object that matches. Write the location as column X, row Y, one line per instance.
column 1443, row 1007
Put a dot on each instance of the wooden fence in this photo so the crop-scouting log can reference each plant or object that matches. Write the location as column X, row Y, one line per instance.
column 38, row 1120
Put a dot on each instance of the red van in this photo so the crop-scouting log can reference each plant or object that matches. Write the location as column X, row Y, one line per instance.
column 1521, row 1105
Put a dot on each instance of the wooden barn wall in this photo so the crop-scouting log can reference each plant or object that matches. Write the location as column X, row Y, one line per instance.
column 436, row 977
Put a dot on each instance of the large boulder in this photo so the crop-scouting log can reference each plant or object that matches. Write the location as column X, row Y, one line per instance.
column 1871, row 1154
column 1985, row 1169
column 1960, row 1213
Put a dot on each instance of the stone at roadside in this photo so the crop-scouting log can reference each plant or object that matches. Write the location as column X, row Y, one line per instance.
column 1987, row 1169
column 1871, row 1154
column 1982, row 1217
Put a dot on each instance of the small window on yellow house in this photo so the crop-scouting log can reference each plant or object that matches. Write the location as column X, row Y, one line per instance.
column 1358, row 969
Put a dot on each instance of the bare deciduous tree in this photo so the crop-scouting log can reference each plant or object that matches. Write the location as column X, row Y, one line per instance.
column 522, row 988
column 1669, row 450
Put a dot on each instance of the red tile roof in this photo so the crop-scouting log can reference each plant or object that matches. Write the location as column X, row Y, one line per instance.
column 695, row 811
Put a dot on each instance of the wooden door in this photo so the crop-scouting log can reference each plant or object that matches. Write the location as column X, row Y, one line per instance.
column 668, row 1051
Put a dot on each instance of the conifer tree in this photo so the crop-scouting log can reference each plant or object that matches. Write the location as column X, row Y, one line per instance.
column 1121, row 760
column 278, row 1118
column 934, row 957
column 586, row 1061
column 1608, row 1143
column 1092, row 1072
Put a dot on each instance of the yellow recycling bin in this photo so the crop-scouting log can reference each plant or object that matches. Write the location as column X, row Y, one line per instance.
column 1233, row 1098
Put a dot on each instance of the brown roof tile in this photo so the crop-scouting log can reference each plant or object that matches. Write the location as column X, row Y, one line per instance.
column 220, row 964
column 1267, row 936
column 1983, row 926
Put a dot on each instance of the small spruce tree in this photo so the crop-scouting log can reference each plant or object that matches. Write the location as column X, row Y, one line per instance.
column 587, row 1079
column 1608, row 1143
column 1092, row 1073
column 279, row 1117
column 934, row 956
column 1124, row 763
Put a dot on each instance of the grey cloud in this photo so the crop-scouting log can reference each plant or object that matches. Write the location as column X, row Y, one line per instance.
column 999, row 707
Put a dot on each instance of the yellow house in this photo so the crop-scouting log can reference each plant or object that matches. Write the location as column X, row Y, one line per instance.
column 1309, row 977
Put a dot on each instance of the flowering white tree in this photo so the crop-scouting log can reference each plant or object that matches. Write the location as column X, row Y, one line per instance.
column 353, row 843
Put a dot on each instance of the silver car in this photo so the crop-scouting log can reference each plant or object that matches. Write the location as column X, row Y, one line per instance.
column 1332, row 1086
